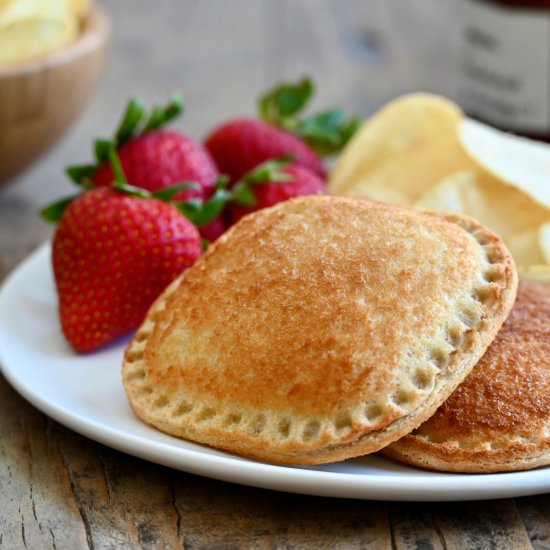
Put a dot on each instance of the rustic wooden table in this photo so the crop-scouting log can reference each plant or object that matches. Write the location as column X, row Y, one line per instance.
column 61, row 490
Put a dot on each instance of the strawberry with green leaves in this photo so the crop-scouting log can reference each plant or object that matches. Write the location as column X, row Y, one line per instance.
column 114, row 251
column 240, row 145
column 272, row 182
column 152, row 157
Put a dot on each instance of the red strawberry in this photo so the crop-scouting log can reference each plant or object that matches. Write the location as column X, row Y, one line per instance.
column 242, row 144
column 159, row 159
column 301, row 182
column 113, row 254
column 151, row 158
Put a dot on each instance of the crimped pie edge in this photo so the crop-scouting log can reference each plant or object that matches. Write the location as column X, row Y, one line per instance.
column 309, row 441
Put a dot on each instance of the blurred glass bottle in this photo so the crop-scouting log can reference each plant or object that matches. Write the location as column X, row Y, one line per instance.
column 504, row 64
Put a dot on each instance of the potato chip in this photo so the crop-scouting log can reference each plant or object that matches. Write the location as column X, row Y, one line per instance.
column 30, row 38
column 14, row 11
column 544, row 239
column 31, row 28
column 34, row 28
column 402, row 151
column 516, row 161
column 507, row 210
column 421, row 150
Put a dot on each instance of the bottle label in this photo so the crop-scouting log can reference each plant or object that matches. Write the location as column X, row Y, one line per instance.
column 505, row 65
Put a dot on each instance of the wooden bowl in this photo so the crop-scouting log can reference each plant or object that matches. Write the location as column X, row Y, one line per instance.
column 40, row 99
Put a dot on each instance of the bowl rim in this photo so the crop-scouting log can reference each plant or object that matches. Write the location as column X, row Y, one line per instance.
column 96, row 31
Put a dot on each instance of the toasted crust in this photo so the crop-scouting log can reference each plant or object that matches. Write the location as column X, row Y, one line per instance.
column 498, row 419
column 320, row 329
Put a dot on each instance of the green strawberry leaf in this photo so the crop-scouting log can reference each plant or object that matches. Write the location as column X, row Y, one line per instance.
column 322, row 131
column 160, row 116
column 243, row 194
column 175, row 107
column 101, row 150
column 222, row 182
column 116, row 165
column 268, row 172
column 106, row 150
column 130, row 121
column 82, row 174
column 348, row 129
column 190, row 209
column 213, row 207
column 53, row 212
column 286, row 100
column 326, row 132
column 203, row 212
column 325, row 122
column 128, row 128
column 155, row 120
column 168, row 193
column 131, row 190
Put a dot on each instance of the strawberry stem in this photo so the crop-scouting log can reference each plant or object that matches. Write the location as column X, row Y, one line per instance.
column 116, row 165
column 131, row 190
column 101, row 149
column 130, row 121
column 168, row 193
column 159, row 116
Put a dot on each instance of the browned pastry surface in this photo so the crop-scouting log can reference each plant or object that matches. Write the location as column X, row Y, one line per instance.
column 499, row 417
column 320, row 329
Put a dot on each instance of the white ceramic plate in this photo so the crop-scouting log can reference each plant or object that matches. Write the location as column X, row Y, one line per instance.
column 85, row 393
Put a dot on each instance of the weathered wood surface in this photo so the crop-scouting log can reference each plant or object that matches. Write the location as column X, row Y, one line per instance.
column 61, row 490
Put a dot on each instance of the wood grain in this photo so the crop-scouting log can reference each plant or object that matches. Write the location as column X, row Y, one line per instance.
column 66, row 491
column 535, row 514
column 38, row 507
column 59, row 490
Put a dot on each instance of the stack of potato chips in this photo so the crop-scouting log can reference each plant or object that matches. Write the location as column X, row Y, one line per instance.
column 422, row 151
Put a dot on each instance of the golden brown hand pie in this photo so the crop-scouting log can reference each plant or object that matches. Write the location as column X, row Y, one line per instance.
column 320, row 329
column 498, row 419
